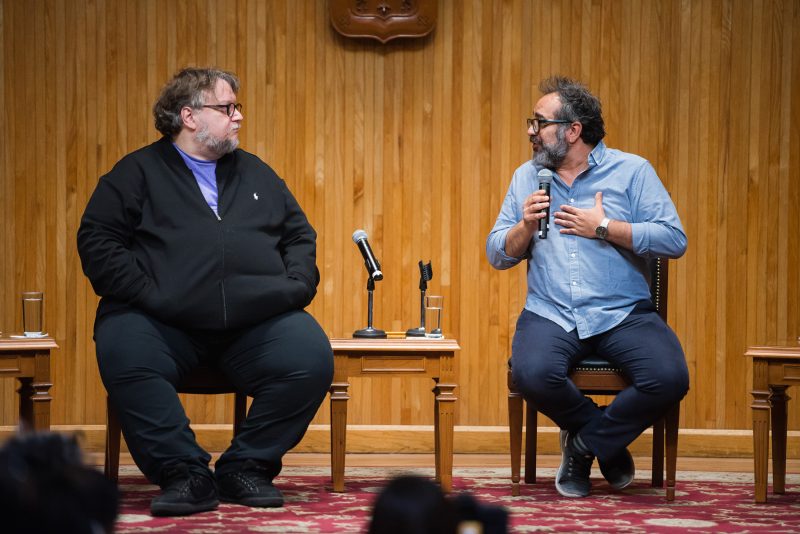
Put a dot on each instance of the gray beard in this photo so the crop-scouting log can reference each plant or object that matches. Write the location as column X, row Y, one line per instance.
column 552, row 156
column 218, row 147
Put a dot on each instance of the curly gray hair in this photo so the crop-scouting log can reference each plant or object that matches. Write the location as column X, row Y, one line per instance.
column 186, row 88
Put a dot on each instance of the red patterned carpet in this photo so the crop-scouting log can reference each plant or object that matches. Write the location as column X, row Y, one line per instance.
column 705, row 502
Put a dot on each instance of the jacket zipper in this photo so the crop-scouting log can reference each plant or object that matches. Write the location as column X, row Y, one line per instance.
column 222, row 274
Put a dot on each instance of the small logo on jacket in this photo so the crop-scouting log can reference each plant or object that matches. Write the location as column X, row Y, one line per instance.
column 255, row 196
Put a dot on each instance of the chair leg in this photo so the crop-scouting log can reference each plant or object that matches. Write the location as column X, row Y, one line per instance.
column 239, row 411
column 113, row 432
column 531, row 435
column 672, row 420
column 658, row 454
column 515, row 407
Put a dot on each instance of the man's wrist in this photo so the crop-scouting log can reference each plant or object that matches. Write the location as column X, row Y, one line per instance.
column 601, row 232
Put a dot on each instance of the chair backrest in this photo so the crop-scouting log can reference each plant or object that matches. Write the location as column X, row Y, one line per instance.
column 659, row 285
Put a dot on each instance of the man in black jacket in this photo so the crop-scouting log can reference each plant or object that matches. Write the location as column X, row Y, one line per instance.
column 202, row 255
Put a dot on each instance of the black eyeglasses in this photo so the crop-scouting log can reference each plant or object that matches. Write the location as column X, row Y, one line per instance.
column 228, row 109
column 537, row 124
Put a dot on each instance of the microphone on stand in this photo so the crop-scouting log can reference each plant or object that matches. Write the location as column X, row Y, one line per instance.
column 375, row 274
column 372, row 265
column 545, row 178
column 425, row 276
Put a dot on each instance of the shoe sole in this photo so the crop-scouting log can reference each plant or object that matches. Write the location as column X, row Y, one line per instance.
column 562, row 436
column 175, row 509
column 255, row 502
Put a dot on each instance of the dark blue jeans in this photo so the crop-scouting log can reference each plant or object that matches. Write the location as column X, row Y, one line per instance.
column 642, row 345
column 284, row 363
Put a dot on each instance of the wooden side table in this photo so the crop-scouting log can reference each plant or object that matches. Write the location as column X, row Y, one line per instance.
column 433, row 358
column 774, row 369
column 28, row 360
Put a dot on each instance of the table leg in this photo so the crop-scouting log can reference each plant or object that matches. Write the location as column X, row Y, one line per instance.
column 444, row 417
column 26, row 422
column 339, row 398
column 760, row 408
column 778, row 398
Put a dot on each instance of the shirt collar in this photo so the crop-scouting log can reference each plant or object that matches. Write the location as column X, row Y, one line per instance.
column 597, row 154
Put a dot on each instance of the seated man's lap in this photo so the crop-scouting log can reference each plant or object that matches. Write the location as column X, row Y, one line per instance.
column 642, row 345
column 543, row 353
column 291, row 346
column 132, row 342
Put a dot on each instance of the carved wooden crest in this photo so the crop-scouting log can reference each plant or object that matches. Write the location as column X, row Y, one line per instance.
column 383, row 20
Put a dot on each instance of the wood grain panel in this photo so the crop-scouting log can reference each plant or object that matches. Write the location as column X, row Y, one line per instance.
column 415, row 141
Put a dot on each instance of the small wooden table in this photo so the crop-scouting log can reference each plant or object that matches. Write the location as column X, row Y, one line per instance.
column 28, row 360
column 433, row 358
column 774, row 369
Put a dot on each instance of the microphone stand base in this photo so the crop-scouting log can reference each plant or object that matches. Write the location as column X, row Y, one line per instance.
column 415, row 332
column 370, row 332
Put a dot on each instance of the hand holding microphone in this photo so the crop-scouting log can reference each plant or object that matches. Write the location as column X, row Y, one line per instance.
column 536, row 210
column 545, row 178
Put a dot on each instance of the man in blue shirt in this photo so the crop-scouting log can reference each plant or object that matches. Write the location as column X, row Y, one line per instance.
column 588, row 287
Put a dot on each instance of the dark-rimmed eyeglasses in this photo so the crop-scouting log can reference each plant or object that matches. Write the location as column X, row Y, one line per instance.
column 228, row 109
column 537, row 124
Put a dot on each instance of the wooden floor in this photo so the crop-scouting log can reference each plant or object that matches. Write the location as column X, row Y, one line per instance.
column 743, row 465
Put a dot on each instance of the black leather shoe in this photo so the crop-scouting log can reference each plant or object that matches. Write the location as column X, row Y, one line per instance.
column 572, row 478
column 250, row 486
column 619, row 471
column 184, row 492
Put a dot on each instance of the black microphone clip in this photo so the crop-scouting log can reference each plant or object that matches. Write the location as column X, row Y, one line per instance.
column 425, row 276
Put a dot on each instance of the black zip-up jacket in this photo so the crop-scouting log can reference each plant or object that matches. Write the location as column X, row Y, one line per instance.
column 148, row 240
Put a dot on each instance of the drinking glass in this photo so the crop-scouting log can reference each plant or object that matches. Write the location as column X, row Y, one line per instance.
column 433, row 316
column 32, row 304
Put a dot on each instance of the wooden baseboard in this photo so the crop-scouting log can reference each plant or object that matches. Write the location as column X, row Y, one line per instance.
column 467, row 440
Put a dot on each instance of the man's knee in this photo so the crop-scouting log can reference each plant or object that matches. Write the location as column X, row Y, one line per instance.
column 536, row 383
column 675, row 383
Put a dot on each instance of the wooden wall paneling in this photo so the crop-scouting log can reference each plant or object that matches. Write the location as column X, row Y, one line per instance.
column 7, row 401
column 416, row 141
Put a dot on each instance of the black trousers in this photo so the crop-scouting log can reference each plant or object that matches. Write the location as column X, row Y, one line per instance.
column 642, row 345
column 284, row 363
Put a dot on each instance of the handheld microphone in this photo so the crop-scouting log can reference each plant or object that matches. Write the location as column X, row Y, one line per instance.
column 545, row 178
column 372, row 265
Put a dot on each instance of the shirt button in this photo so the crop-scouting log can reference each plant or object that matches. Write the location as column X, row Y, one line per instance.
column 572, row 255
column 572, row 201
column 574, row 283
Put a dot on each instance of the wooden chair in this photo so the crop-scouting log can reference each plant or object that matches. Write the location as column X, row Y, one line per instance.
column 204, row 380
column 596, row 376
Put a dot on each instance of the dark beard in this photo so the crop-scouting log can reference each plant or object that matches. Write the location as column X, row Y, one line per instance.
column 553, row 155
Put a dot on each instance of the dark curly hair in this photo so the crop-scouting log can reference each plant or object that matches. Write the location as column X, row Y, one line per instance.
column 186, row 88
column 578, row 105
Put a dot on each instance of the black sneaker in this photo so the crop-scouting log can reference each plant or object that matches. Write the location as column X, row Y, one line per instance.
column 572, row 478
column 619, row 471
column 250, row 486
column 184, row 492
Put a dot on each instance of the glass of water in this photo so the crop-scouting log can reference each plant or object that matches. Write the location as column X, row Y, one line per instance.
column 433, row 316
column 32, row 313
